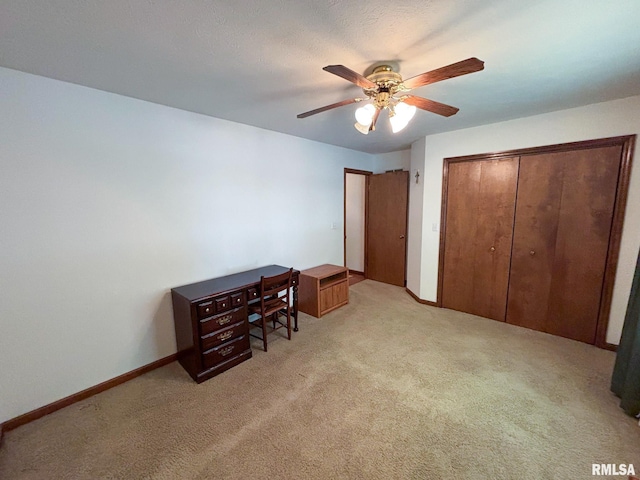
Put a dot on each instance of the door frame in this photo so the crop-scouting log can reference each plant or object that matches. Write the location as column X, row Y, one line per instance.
column 366, row 173
column 627, row 142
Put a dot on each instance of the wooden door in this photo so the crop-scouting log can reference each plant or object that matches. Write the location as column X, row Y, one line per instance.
column 387, row 227
column 480, row 203
column 563, row 222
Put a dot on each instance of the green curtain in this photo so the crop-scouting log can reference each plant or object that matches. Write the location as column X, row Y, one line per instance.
column 626, row 373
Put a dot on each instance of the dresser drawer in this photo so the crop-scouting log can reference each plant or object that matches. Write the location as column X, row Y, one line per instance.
column 205, row 309
column 223, row 304
column 219, row 337
column 237, row 299
column 252, row 294
column 209, row 325
column 226, row 351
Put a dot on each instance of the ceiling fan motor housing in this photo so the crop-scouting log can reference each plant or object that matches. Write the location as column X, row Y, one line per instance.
column 388, row 84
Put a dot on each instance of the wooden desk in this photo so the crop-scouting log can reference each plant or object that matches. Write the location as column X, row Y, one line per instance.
column 211, row 320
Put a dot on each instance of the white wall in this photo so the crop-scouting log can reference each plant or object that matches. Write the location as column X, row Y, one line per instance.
column 416, row 212
column 619, row 117
column 354, row 216
column 392, row 161
column 107, row 202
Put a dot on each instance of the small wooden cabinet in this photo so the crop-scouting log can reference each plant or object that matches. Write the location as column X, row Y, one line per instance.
column 323, row 289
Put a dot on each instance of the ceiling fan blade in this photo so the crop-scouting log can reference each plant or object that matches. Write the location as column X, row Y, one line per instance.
column 464, row 67
column 328, row 107
column 372, row 127
column 430, row 105
column 350, row 75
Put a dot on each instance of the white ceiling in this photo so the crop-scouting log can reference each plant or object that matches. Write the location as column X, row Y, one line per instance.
column 260, row 62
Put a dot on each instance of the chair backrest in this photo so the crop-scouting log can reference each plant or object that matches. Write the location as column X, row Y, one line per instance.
column 271, row 287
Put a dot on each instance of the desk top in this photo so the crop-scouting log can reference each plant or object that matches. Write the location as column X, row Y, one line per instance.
column 237, row 281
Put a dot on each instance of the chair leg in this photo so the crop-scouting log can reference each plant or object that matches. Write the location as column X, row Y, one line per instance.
column 289, row 323
column 264, row 333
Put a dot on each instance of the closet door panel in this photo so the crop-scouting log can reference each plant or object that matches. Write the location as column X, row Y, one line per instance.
column 463, row 186
column 561, row 237
column 534, row 239
column 479, row 224
column 588, row 197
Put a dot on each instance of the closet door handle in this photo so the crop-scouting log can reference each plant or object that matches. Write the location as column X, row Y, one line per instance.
column 401, row 236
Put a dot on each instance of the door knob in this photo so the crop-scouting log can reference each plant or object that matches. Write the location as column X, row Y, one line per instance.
column 532, row 253
column 493, row 249
column 401, row 236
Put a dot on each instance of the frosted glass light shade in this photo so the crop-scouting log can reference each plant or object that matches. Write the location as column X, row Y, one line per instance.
column 364, row 115
column 364, row 129
column 403, row 114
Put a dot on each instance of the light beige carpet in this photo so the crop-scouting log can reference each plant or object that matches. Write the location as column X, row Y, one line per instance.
column 383, row 388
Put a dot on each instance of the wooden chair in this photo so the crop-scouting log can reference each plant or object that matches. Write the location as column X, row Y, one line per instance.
column 274, row 301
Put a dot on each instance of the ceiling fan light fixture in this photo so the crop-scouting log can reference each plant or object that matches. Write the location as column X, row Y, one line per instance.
column 364, row 114
column 363, row 129
column 403, row 115
column 383, row 84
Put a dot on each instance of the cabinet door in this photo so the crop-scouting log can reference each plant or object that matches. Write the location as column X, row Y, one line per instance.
column 341, row 293
column 479, row 224
column 561, row 238
column 326, row 299
column 332, row 296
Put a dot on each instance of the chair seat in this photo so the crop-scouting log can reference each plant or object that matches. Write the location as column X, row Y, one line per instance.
column 271, row 307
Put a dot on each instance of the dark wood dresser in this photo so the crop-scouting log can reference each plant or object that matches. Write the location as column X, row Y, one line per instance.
column 211, row 320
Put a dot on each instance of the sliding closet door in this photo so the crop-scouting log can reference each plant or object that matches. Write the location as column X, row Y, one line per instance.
column 561, row 236
column 479, row 223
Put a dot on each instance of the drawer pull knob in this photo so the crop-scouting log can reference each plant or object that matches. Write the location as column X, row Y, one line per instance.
column 227, row 350
column 224, row 320
column 532, row 252
column 493, row 249
column 206, row 309
column 225, row 335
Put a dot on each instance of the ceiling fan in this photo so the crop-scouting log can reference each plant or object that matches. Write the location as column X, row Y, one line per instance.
column 386, row 90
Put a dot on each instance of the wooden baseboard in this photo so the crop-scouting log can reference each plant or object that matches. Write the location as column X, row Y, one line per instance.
column 606, row 346
column 1, row 434
column 356, row 272
column 419, row 300
column 89, row 392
